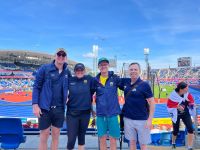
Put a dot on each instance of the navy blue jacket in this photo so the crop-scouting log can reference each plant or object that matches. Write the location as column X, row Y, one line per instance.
column 80, row 93
column 107, row 103
column 42, row 90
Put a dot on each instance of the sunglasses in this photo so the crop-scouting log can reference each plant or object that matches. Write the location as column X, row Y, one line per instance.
column 61, row 54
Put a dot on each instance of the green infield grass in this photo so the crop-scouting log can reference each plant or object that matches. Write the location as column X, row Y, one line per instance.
column 165, row 90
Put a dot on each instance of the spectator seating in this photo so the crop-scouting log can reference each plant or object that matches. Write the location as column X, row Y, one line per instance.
column 11, row 133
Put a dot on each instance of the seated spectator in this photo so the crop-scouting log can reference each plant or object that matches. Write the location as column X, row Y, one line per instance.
column 28, row 124
column 155, row 129
column 35, row 125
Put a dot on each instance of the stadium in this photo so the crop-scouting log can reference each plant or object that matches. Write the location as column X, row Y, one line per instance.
column 17, row 70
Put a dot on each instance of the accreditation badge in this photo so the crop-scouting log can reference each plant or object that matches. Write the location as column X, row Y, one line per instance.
column 85, row 81
column 111, row 83
column 134, row 89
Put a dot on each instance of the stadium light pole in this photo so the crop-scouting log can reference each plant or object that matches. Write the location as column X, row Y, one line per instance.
column 95, row 53
column 146, row 54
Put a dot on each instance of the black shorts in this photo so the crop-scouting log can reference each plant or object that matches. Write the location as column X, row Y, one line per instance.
column 54, row 117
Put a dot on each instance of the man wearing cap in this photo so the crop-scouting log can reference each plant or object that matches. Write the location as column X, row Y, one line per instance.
column 49, row 98
column 107, row 105
column 78, row 106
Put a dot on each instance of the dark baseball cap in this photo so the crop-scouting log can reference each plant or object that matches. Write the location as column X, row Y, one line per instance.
column 61, row 50
column 103, row 59
column 79, row 66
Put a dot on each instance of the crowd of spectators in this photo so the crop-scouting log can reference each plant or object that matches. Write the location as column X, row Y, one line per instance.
column 185, row 72
column 16, row 84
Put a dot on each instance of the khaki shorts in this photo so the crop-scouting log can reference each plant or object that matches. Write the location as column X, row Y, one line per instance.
column 135, row 130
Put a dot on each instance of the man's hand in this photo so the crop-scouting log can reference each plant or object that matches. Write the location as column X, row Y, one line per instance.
column 36, row 110
column 148, row 123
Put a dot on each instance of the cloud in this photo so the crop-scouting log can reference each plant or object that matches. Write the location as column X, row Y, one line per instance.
column 88, row 55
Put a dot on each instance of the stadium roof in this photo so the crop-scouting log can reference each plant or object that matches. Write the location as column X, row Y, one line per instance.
column 29, row 57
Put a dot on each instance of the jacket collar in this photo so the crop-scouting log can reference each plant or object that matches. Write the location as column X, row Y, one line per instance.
column 53, row 66
column 110, row 73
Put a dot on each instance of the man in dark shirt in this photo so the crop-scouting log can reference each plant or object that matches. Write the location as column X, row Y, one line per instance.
column 49, row 98
column 138, row 109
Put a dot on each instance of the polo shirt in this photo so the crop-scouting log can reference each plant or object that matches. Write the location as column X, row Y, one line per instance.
column 136, row 105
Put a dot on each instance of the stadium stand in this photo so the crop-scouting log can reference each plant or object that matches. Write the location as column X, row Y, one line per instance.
column 26, row 60
column 186, row 72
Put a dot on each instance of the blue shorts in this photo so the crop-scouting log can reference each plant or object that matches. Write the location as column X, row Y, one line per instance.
column 108, row 125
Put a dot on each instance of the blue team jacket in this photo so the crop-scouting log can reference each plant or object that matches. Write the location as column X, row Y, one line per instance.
column 107, row 103
column 42, row 90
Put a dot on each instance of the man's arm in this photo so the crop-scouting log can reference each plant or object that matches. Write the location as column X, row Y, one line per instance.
column 151, row 103
column 120, row 83
column 37, row 87
column 93, row 94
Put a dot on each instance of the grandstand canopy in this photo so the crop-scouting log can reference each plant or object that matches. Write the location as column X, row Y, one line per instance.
column 29, row 57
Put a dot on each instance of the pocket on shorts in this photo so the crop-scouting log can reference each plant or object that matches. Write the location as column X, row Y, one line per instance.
column 58, row 112
column 45, row 113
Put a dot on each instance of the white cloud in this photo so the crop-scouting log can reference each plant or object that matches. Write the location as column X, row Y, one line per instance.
column 88, row 55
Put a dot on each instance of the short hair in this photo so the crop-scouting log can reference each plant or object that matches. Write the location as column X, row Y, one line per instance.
column 135, row 63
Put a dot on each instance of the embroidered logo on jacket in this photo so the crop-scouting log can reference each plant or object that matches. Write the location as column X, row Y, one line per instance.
column 134, row 89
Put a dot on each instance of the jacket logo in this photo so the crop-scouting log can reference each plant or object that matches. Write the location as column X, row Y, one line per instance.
column 85, row 81
column 111, row 83
column 73, row 83
column 124, row 87
column 52, row 75
column 66, row 76
column 134, row 89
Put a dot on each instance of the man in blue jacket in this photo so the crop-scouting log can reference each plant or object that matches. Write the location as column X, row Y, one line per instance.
column 107, row 105
column 49, row 98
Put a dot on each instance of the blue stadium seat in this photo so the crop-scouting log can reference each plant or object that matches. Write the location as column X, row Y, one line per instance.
column 165, row 139
column 11, row 133
column 155, row 138
column 180, row 140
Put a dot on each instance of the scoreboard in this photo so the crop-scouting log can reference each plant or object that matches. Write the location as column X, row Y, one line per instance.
column 184, row 62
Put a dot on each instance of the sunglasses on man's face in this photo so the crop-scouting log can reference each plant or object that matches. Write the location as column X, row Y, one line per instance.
column 61, row 54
